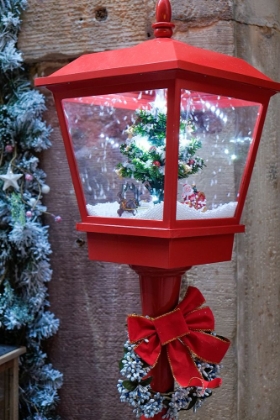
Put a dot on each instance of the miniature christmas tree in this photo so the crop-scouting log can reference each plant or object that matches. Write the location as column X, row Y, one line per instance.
column 145, row 151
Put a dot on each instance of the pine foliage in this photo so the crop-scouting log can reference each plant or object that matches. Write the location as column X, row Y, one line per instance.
column 145, row 151
column 24, row 247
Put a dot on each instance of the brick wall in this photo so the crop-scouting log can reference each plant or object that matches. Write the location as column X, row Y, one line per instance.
column 92, row 298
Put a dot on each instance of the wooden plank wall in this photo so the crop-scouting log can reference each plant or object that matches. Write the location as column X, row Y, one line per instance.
column 258, row 289
column 92, row 298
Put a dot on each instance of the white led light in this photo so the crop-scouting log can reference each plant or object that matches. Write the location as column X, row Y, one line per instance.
column 142, row 143
column 183, row 140
column 160, row 102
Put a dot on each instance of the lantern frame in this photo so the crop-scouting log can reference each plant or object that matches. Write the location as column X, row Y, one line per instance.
column 161, row 63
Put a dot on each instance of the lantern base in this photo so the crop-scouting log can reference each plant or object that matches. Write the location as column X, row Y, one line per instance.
column 160, row 252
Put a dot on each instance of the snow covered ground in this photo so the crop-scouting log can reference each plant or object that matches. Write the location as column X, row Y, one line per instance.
column 155, row 212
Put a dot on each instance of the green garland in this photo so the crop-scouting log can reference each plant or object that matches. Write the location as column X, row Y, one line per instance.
column 24, row 248
column 136, row 390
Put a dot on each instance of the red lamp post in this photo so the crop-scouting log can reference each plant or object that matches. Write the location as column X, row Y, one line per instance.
column 134, row 122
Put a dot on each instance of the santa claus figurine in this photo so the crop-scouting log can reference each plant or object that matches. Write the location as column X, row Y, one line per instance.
column 193, row 198
column 187, row 192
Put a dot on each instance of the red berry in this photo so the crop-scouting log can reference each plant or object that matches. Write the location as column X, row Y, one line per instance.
column 156, row 163
column 9, row 148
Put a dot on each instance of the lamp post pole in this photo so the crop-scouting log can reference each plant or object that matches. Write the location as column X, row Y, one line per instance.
column 160, row 290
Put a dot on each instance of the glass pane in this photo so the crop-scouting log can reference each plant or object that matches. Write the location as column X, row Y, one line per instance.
column 215, row 136
column 119, row 143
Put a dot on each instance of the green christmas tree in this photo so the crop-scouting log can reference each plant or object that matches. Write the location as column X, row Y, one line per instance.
column 25, row 271
column 145, row 151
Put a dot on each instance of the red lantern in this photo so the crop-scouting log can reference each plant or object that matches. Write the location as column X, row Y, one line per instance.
column 161, row 141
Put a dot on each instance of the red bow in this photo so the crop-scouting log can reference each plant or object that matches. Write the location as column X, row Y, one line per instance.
column 185, row 333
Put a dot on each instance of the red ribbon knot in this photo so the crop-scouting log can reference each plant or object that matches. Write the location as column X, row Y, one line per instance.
column 170, row 326
column 186, row 334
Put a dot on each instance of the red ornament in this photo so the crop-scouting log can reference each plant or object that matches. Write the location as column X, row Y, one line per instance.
column 185, row 332
column 28, row 177
column 9, row 148
column 197, row 200
column 156, row 163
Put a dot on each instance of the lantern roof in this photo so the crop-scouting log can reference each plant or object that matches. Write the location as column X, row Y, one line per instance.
column 159, row 55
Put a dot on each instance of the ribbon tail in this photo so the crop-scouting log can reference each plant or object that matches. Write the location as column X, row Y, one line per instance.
column 214, row 383
column 183, row 367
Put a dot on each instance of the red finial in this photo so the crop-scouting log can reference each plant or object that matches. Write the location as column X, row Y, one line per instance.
column 163, row 26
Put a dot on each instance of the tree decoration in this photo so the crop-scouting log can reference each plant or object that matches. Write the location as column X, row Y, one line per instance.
column 144, row 151
column 24, row 248
column 128, row 199
column 10, row 179
column 194, row 353
column 193, row 198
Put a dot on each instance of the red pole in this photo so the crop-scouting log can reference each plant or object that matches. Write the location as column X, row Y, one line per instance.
column 160, row 289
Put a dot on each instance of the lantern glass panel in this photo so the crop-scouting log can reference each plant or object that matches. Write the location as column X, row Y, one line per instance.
column 119, row 143
column 214, row 145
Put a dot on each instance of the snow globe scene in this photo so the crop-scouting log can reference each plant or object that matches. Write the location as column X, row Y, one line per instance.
column 119, row 142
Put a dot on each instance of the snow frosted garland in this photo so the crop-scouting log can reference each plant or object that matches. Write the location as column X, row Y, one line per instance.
column 24, row 247
column 194, row 355
column 138, row 393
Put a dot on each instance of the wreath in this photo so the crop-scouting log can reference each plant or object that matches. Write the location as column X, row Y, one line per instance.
column 194, row 353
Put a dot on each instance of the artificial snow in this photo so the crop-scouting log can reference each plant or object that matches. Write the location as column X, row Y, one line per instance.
column 184, row 212
column 105, row 210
